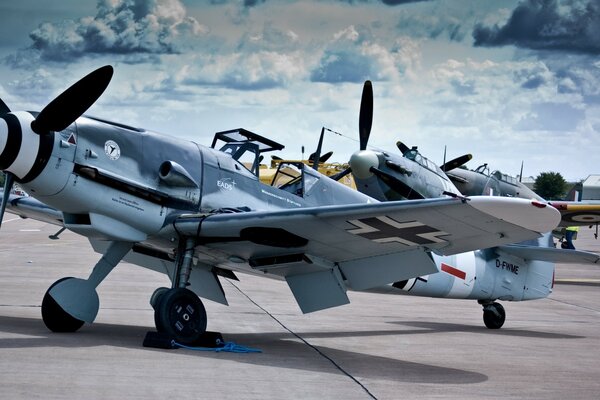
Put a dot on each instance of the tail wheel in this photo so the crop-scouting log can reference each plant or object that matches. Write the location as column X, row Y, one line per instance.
column 180, row 314
column 494, row 315
column 55, row 318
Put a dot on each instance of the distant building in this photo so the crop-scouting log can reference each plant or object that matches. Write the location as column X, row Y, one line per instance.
column 591, row 188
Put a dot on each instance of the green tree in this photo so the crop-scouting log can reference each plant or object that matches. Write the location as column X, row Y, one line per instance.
column 550, row 185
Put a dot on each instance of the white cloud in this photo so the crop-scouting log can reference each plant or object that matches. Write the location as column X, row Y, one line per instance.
column 119, row 27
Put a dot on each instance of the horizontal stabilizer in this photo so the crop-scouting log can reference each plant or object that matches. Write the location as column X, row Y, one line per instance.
column 551, row 254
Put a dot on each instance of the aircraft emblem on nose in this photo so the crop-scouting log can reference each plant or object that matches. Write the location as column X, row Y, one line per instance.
column 112, row 150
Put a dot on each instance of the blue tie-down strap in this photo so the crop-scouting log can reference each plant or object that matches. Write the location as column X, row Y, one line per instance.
column 229, row 347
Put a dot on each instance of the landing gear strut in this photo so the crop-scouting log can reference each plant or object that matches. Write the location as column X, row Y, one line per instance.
column 493, row 315
column 178, row 312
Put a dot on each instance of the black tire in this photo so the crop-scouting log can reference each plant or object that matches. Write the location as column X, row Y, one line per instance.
column 55, row 318
column 494, row 316
column 180, row 314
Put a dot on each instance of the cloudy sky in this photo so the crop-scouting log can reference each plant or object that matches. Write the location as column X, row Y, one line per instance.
column 504, row 80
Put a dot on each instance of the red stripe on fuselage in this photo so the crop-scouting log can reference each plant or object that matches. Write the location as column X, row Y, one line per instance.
column 454, row 271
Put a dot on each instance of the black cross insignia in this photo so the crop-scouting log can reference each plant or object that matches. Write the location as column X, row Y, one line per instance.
column 387, row 230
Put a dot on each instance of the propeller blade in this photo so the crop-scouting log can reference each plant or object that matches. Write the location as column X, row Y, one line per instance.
column 73, row 102
column 317, row 154
column 8, row 184
column 365, row 119
column 444, row 163
column 340, row 175
column 402, row 147
column 325, row 157
column 397, row 185
column 3, row 108
column 521, row 173
column 457, row 162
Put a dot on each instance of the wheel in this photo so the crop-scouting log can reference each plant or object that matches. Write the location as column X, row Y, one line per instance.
column 156, row 295
column 180, row 314
column 494, row 315
column 55, row 318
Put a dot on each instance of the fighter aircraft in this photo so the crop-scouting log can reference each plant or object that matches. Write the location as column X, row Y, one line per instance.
column 515, row 272
column 387, row 176
column 481, row 181
column 196, row 213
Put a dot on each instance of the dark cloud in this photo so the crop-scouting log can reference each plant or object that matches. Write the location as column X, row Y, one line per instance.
column 386, row 2
column 252, row 3
column 119, row 27
column 565, row 25
column 400, row 2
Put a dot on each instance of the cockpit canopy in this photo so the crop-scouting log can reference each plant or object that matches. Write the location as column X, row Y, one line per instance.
column 245, row 146
column 414, row 155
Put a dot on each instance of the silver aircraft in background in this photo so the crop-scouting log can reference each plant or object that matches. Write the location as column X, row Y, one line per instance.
column 513, row 272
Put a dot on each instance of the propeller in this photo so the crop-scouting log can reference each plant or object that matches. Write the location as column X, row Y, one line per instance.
column 9, row 178
column 61, row 112
column 365, row 119
column 3, row 108
column 316, row 155
column 402, row 147
column 321, row 159
column 455, row 163
column 521, row 173
column 73, row 102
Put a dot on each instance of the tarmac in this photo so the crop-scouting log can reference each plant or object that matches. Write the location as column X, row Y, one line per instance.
column 383, row 347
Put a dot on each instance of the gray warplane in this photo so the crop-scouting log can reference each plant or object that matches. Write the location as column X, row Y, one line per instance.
column 515, row 272
column 481, row 182
column 197, row 213
column 387, row 176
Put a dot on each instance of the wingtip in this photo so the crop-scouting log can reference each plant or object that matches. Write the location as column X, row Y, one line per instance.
column 521, row 212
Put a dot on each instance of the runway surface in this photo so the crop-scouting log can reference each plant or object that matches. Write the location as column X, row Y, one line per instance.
column 384, row 347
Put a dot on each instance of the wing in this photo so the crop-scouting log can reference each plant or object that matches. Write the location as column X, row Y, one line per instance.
column 578, row 213
column 319, row 250
column 28, row 207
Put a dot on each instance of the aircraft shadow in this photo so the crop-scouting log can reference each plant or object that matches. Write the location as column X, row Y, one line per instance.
column 579, row 283
column 279, row 349
column 442, row 327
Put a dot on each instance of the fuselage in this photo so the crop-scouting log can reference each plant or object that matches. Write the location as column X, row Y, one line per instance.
column 112, row 182
column 488, row 274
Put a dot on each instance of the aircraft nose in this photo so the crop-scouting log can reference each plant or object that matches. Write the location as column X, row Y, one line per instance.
column 3, row 135
column 7, row 152
column 22, row 152
column 361, row 163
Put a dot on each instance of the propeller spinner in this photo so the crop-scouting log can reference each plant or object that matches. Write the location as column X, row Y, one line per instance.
column 26, row 141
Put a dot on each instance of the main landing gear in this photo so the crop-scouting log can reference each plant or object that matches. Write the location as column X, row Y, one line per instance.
column 493, row 314
column 178, row 312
